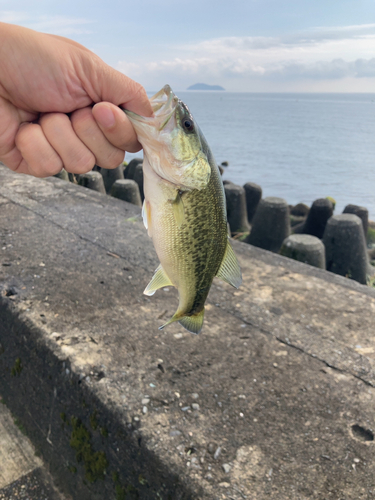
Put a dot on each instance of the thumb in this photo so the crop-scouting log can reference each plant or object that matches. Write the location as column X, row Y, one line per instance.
column 108, row 84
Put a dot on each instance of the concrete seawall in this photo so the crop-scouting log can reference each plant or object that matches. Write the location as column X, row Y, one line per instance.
column 275, row 399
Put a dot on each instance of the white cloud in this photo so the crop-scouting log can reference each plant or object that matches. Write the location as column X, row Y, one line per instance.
column 58, row 25
column 316, row 54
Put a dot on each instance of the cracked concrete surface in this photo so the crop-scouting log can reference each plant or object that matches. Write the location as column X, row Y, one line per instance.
column 274, row 400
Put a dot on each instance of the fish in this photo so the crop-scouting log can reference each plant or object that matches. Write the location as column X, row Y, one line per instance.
column 184, row 210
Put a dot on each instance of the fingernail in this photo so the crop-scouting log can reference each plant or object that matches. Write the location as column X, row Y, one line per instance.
column 105, row 117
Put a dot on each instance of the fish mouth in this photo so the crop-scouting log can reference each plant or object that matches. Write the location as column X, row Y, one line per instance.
column 163, row 101
column 164, row 104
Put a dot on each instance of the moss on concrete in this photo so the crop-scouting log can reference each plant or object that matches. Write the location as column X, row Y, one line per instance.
column 93, row 420
column 332, row 200
column 95, row 462
column 370, row 236
column 17, row 368
column 20, row 426
column 104, row 431
column 126, row 493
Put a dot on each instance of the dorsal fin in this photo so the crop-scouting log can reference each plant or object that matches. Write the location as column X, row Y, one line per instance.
column 229, row 270
column 158, row 280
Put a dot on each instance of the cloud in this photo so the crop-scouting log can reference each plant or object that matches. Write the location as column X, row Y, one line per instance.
column 58, row 25
column 331, row 53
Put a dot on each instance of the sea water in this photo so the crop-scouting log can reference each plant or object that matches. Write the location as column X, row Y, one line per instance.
column 295, row 146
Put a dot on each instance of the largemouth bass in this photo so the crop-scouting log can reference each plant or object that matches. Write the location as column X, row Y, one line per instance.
column 184, row 210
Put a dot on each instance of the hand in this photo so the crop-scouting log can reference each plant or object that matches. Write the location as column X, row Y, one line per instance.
column 48, row 86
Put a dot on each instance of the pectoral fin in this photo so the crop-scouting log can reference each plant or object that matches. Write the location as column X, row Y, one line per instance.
column 178, row 209
column 159, row 280
column 229, row 270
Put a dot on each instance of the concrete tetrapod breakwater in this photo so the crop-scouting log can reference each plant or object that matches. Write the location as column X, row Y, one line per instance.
column 345, row 245
column 91, row 180
column 127, row 190
column 304, row 248
column 273, row 400
column 270, row 224
column 110, row 176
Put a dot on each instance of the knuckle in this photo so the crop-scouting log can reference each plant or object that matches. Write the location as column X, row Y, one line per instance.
column 82, row 120
column 46, row 166
column 82, row 164
column 52, row 120
column 25, row 135
column 112, row 160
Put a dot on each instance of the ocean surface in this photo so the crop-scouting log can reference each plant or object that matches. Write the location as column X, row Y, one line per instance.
column 295, row 146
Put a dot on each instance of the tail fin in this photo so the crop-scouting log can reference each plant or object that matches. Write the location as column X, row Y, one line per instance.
column 192, row 323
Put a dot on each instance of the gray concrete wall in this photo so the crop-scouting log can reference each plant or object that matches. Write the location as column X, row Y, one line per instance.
column 273, row 400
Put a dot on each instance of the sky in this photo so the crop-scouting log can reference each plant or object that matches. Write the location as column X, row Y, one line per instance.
column 243, row 45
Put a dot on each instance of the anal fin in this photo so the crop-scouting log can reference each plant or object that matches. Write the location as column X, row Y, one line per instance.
column 159, row 280
column 229, row 270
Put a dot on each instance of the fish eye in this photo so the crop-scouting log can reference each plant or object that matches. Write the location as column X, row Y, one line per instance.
column 188, row 124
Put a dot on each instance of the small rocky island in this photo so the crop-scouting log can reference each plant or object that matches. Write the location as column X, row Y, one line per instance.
column 204, row 86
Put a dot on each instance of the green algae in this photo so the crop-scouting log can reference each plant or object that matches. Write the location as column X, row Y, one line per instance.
column 332, row 200
column 126, row 493
column 20, row 425
column 95, row 462
column 142, row 480
column 104, row 431
column 17, row 368
column 93, row 420
column 370, row 236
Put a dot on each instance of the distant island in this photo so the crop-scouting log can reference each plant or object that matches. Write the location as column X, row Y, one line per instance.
column 204, row 86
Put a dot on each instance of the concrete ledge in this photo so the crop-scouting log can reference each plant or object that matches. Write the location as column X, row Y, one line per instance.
column 274, row 400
